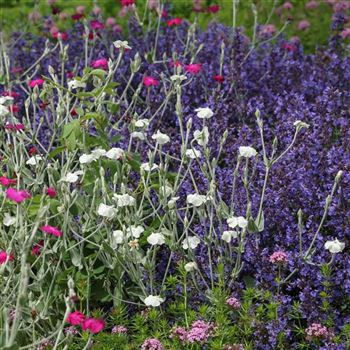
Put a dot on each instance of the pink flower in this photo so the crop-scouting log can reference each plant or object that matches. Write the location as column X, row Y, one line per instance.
column 63, row 16
column 15, row 127
column 279, row 257
column 219, row 78
column 200, row 331
column 287, row 6
column 51, row 192
column 100, row 63
column 5, row 257
column 127, row 2
column 268, row 29
column 34, row 16
column 119, row 330
column 118, row 29
column 345, row 33
column 289, row 47
column 311, row 5
column 180, row 333
column 11, row 94
column 303, row 25
column 36, row 250
column 96, row 25
column 150, row 81
column 316, row 330
column 17, row 196
column 233, row 303
column 77, row 16
column 152, row 344
column 193, row 68
column 4, row 181
column 96, row 10
column 36, row 82
column 14, row 109
column 174, row 22
column 93, row 325
column 80, row 9
column 75, row 318
column 52, row 230
column 110, row 21
column 213, row 9
column 62, row 35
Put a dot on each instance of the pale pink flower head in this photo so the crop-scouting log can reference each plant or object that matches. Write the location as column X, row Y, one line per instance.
column 54, row 30
column 36, row 82
column 5, row 257
column 96, row 10
column 17, row 196
column 75, row 318
column 153, row 4
column 51, row 192
column 150, row 81
column 52, row 230
column 233, row 303
column 119, row 330
column 341, row 6
column 179, row 332
column 51, row 2
column 100, row 63
column 304, row 25
column 80, row 9
column 193, row 68
column 34, row 16
column 110, row 21
column 268, row 29
column 317, row 331
column 200, row 331
column 279, row 257
column 345, row 33
column 287, row 5
column 118, row 29
column 71, row 330
column 152, row 344
column 312, row 5
column 4, row 181
column 93, row 325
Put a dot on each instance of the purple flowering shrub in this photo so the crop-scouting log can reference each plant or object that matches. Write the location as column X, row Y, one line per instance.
column 129, row 157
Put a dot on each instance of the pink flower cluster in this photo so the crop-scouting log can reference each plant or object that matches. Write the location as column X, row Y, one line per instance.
column 200, row 332
column 279, row 257
column 119, row 330
column 316, row 330
column 5, row 257
column 16, row 195
column 233, row 303
column 94, row 325
column 152, row 344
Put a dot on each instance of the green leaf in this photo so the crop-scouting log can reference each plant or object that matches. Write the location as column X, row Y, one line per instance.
column 56, row 151
column 100, row 73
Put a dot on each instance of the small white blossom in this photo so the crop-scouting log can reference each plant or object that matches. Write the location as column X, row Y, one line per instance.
column 107, row 211
column 138, row 135
column 74, row 84
column 193, row 153
column 197, row 199
column 228, row 235
column 190, row 242
column 117, row 237
column 166, row 190
column 5, row 99
column 235, row 221
column 204, row 112
column 202, row 137
column 120, row 44
column 334, row 246
column 135, row 231
column 172, row 202
column 4, row 111
column 178, row 78
column 142, row 123
column 156, row 239
column 191, row 266
column 99, row 152
column 115, row 153
column 147, row 166
column 72, row 177
column 9, row 220
column 299, row 124
column 86, row 158
column 124, row 200
column 34, row 160
column 247, row 151
column 161, row 138
column 153, row 300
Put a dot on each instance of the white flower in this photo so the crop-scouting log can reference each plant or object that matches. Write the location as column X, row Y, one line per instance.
column 204, row 112
column 4, row 99
column 161, row 138
column 74, row 84
column 190, row 242
column 334, row 246
column 107, row 211
column 99, row 152
column 138, row 135
column 166, row 190
column 9, row 220
column 156, row 239
column 119, row 44
column 147, row 167
column 193, row 153
column 117, row 237
column 72, row 177
column 196, row 199
column 172, row 202
column 299, row 124
column 142, row 123
column 86, row 158
column 153, row 300
column 34, row 160
column 228, row 235
column 202, row 137
column 115, row 153
column 178, row 78
column 235, row 221
column 4, row 111
column 124, row 200
column 246, row 151
column 191, row 266
column 135, row 231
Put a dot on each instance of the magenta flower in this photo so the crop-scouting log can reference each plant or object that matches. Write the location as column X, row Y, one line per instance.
column 287, row 5
column 233, row 303
column 279, row 257
column 14, row 127
column 96, row 25
column 110, row 22
column 174, row 22
column 193, row 68
column 93, row 325
column 17, row 196
column 36, row 82
column 213, row 9
column 127, row 2
column 152, row 344
column 75, row 318
column 312, row 5
column 100, row 63
column 51, row 230
column 150, row 81
column 5, row 257
column 51, row 192
column 219, row 78
column 4, row 181
column 36, row 250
